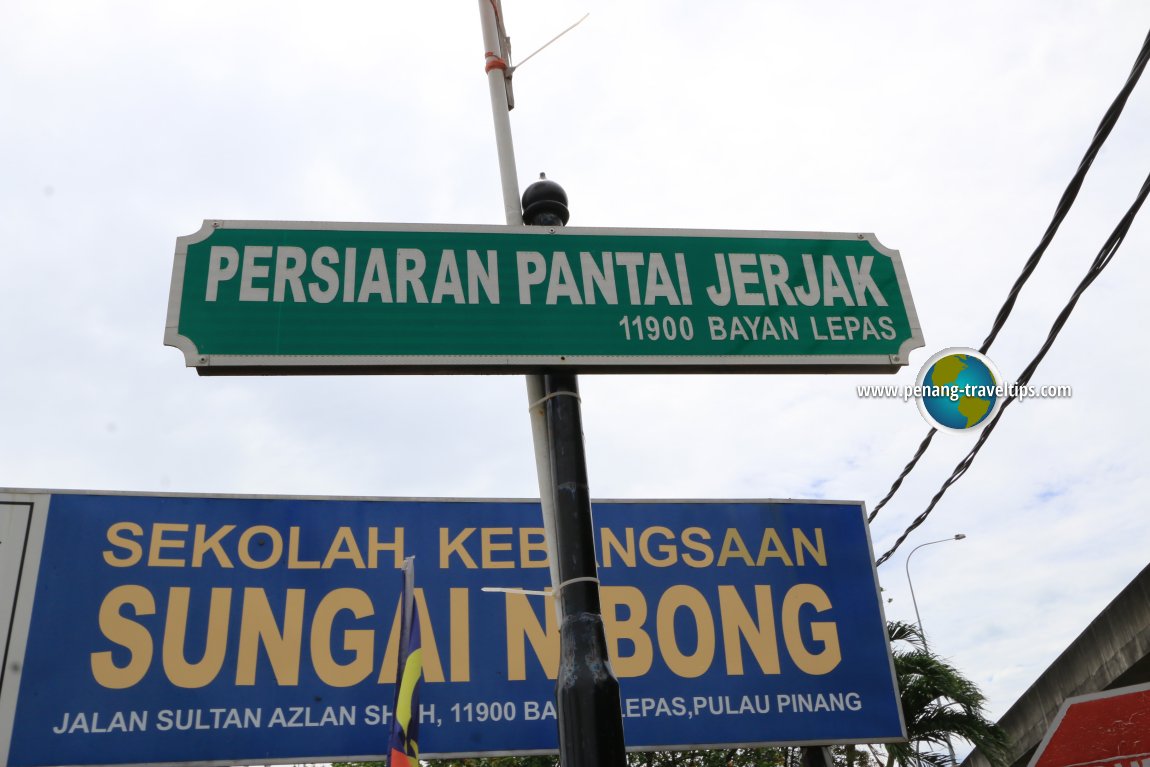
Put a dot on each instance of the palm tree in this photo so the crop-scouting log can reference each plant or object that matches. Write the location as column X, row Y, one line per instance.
column 938, row 703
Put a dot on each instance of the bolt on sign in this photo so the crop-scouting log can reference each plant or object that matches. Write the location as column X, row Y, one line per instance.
column 298, row 297
column 153, row 629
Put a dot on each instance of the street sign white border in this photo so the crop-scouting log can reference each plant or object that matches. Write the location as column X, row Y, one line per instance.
column 236, row 364
column 39, row 502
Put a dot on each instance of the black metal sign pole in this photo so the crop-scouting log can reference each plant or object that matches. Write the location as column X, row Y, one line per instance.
column 587, row 692
column 590, row 716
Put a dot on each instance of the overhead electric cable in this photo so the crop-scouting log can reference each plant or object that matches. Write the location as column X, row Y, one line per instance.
column 1109, row 119
column 1100, row 135
column 905, row 470
column 1101, row 261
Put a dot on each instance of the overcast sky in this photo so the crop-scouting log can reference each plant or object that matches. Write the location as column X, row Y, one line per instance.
column 947, row 129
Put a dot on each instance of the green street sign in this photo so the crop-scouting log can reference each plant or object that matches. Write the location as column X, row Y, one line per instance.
column 302, row 298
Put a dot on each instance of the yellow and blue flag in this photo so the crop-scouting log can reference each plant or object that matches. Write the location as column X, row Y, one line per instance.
column 403, row 748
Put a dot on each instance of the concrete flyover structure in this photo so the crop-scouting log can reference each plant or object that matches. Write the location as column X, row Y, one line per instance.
column 1113, row 652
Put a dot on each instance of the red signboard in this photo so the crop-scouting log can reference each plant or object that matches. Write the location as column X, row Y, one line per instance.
column 1110, row 729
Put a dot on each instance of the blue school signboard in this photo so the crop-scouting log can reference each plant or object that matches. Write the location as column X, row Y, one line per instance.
column 231, row 630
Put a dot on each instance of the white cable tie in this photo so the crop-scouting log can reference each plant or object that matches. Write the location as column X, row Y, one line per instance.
column 584, row 579
column 545, row 592
column 528, row 592
column 554, row 394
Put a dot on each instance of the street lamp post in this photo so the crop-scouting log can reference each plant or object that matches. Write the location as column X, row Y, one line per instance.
column 918, row 617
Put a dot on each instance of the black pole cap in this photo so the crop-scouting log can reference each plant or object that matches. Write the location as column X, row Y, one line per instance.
column 545, row 203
